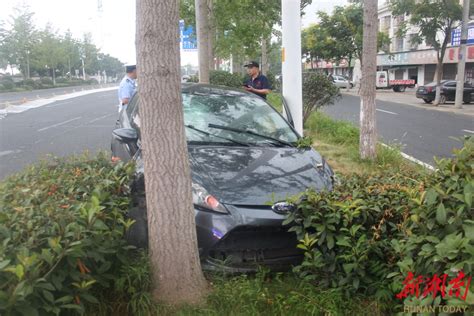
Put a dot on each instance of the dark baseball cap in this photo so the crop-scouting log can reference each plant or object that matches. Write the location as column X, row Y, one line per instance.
column 130, row 68
column 252, row 64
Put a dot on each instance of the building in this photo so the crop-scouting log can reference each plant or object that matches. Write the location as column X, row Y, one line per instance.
column 406, row 60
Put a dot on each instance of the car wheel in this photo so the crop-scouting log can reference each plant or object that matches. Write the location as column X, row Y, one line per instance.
column 137, row 234
column 351, row 86
column 396, row 89
column 467, row 100
column 402, row 89
column 428, row 101
column 442, row 99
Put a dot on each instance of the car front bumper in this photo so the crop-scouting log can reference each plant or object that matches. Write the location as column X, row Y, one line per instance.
column 244, row 239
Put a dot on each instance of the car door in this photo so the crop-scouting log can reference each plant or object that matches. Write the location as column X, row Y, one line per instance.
column 449, row 90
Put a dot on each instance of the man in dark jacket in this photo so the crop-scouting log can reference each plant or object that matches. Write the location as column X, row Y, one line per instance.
column 257, row 83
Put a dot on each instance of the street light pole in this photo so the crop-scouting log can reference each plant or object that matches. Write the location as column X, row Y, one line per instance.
column 83, row 70
column 462, row 56
column 291, row 60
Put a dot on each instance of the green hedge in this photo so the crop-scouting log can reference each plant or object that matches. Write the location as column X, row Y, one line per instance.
column 371, row 230
column 62, row 229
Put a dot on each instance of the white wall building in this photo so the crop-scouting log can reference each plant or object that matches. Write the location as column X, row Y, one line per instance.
column 406, row 60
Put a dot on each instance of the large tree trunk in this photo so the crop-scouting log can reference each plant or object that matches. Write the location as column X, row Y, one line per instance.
column 202, row 26
column 176, row 270
column 368, row 132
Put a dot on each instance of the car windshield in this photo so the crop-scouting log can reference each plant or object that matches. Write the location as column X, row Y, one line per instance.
column 236, row 112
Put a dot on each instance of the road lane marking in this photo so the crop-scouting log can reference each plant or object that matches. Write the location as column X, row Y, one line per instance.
column 468, row 131
column 61, row 103
column 8, row 152
column 59, row 124
column 411, row 158
column 99, row 118
column 393, row 113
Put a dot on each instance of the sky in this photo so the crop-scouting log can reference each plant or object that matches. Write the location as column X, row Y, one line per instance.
column 113, row 27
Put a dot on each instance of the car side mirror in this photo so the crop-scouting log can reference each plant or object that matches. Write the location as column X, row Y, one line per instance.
column 125, row 135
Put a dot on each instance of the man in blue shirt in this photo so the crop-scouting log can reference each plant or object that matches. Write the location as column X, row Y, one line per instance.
column 127, row 87
column 257, row 83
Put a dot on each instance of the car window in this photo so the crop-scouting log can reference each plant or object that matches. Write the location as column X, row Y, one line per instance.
column 235, row 111
column 450, row 84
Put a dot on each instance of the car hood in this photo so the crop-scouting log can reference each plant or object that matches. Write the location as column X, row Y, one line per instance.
column 257, row 175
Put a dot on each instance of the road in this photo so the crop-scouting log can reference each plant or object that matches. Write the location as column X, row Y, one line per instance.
column 61, row 128
column 422, row 133
column 84, row 123
column 21, row 97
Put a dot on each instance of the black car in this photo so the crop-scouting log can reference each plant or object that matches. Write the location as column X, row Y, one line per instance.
column 448, row 92
column 244, row 164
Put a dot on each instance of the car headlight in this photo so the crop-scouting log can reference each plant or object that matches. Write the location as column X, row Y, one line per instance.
column 202, row 199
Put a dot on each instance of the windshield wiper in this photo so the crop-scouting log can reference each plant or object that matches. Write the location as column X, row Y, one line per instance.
column 246, row 131
column 217, row 136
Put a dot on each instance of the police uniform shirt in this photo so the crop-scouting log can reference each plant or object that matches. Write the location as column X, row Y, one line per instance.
column 260, row 82
column 127, row 89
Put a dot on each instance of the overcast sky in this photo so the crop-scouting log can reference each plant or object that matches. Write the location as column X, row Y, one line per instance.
column 113, row 28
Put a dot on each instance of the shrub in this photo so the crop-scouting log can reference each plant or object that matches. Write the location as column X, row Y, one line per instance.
column 92, row 82
column 62, row 80
column 46, row 81
column 62, row 227
column 439, row 234
column 318, row 91
column 7, row 84
column 194, row 79
column 346, row 233
column 370, row 231
column 224, row 78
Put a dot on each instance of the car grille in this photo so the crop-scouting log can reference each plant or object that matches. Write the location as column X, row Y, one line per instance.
column 249, row 246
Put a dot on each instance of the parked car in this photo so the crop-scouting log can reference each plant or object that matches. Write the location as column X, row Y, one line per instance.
column 448, row 92
column 243, row 156
column 342, row 82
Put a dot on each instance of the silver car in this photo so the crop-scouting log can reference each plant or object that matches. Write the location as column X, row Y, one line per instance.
column 342, row 82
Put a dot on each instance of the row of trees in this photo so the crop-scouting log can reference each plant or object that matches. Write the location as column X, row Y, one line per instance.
column 238, row 29
column 45, row 52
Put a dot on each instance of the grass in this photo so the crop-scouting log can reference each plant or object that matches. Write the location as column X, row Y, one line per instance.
column 338, row 142
column 275, row 100
column 260, row 294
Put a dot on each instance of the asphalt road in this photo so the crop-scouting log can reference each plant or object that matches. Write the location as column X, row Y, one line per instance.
column 19, row 97
column 61, row 128
column 422, row 133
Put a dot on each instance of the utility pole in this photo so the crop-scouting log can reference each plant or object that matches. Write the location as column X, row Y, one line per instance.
column 462, row 56
column 83, row 70
column 291, row 60
column 202, row 30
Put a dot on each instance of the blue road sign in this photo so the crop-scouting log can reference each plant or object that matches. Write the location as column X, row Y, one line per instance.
column 456, row 36
column 188, row 39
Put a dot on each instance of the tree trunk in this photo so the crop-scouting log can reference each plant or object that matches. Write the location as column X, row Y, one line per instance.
column 265, row 65
column 202, row 27
column 211, row 34
column 54, row 76
column 368, row 132
column 439, row 76
column 176, row 270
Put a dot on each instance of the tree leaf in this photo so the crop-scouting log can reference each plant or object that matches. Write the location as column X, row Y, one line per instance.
column 441, row 214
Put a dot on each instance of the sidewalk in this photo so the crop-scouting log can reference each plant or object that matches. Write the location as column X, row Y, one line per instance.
column 408, row 98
